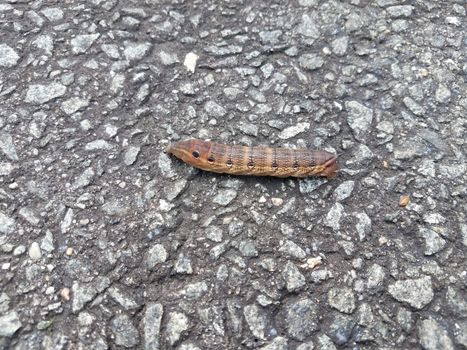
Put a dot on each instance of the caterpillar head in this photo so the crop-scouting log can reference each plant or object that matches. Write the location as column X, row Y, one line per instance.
column 193, row 152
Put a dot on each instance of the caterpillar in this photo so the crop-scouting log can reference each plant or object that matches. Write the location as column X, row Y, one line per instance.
column 257, row 161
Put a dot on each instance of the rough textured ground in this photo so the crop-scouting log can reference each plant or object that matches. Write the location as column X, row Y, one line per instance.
column 106, row 242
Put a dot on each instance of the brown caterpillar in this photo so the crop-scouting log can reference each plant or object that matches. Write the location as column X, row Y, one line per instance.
column 258, row 161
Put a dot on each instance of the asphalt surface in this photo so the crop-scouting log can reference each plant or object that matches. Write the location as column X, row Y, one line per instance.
column 107, row 242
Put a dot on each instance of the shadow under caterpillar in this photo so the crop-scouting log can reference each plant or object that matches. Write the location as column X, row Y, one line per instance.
column 257, row 161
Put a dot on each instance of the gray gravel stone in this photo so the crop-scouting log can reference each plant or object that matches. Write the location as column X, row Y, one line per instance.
column 223, row 50
column 4, row 303
column 433, row 242
column 386, row 126
column 47, row 243
column 334, row 216
column 342, row 299
column 442, row 94
column 236, row 227
column 294, row 130
column 116, row 207
column 45, row 43
column 176, row 189
column 165, row 165
column 363, row 225
column 376, row 276
column 53, row 14
column 8, row 56
column 188, row 347
column 248, row 129
column 194, row 290
column 131, row 154
column 67, row 221
column 311, row 61
column 301, row 319
column 256, row 320
column 152, row 326
column 29, row 215
column 34, row 251
column 461, row 334
column 19, row 250
column 214, row 110
column 325, row 343
column 309, row 26
column 362, row 155
column 339, row 45
column 156, row 255
column 6, row 168
column 125, row 333
column 359, row 118
column 409, row 150
column 291, row 249
column 271, row 37
column 308, row 3
column 9, row 324
column 42, row 93
column 310, row 185
column 111, row 50
column 168, row 58
column 400, row 11
column 413, row 106
column 84, row 293
column 136, row 50
column 81, row 43
column 340, row 330
column 278, row 343
column 125, row 301
column 7, row 224
column 214, row 233
column 232, row 93
column 183, row 265
column 456, row 301
column 416, row 292
column 98, row 145
column 405, row 319
column 433, row 336
column 74, row 104
column 84, row 179
column 306, row 346
column 344, row 190
column 8, row 147
column 218, row 250
column 177, row 324
column 225, row 197
column 294, row 280
column 248, row 249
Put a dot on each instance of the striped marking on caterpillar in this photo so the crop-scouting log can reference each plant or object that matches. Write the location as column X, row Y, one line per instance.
column 257, row 161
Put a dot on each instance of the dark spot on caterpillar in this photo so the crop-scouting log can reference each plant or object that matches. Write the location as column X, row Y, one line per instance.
column 229, row 163
column 275, row 166
column 251, row 164
column 295, row 165
column 195, row 154
column 211, row 159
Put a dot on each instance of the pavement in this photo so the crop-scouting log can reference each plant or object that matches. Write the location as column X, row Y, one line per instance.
column 106, row 242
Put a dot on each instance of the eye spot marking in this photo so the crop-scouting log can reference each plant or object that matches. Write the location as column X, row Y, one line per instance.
column 295, row 165
column 211, row 159
column 229, row 163
column 251, row 164
column 195, row 154
column 275, row 166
